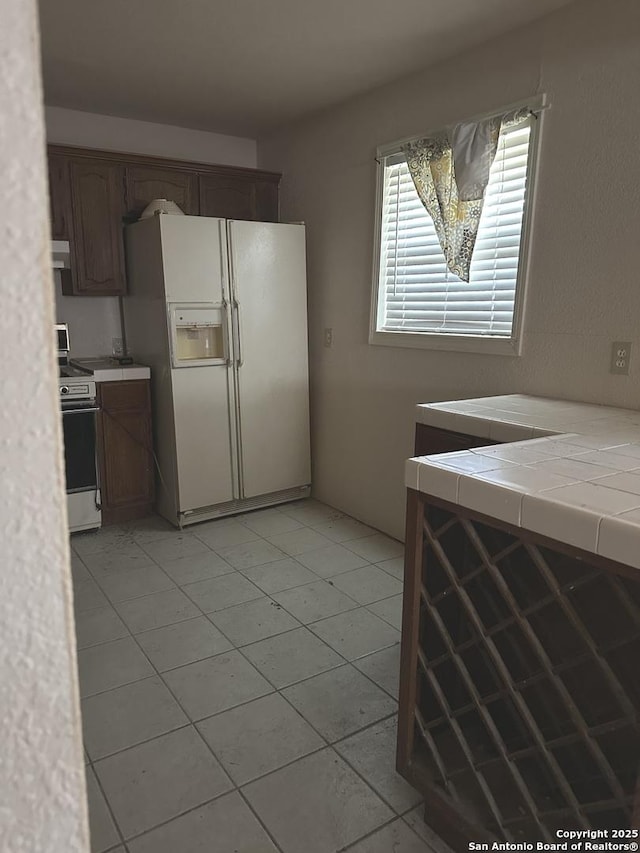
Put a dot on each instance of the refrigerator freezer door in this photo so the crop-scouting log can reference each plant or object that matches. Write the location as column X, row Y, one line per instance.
column 194, row 258
column 269, row 295
column 203, row 433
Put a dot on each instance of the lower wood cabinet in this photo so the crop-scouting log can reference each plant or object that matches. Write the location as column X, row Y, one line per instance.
column 125, row 450
column 433, row 440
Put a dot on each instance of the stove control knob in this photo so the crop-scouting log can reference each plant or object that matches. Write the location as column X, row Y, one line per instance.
column 64, row 389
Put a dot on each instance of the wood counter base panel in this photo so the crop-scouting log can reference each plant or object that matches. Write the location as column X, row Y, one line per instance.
column 520, row 687
column 125, row 450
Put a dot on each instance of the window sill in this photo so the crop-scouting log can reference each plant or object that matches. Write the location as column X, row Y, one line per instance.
column 448, row 343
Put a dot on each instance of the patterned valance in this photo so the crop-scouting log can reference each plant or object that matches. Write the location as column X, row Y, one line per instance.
column 450, row 172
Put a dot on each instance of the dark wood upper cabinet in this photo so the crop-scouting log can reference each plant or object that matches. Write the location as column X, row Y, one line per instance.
column 60, row 198
column 97, row 195
column 267, row 201
column 145, row 183
column 227, row 197
column 235, row 197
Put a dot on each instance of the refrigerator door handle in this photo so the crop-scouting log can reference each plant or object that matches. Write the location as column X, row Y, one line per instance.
column 227, row 343
column 238, row 318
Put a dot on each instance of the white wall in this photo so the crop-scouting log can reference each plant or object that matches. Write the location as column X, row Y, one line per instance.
column 94, row 321
column 585, row 285
column 91, row 130
column 42, row 789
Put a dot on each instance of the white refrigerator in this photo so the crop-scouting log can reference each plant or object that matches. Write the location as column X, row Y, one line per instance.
column 218, row 309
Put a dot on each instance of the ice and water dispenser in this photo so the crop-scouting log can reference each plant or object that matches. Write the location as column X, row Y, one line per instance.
column 198, row 335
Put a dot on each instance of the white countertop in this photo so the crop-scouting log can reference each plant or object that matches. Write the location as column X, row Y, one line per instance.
column 569, row 471
column 108, row 370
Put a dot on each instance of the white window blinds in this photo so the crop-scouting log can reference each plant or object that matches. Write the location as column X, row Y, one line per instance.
column 417, row 293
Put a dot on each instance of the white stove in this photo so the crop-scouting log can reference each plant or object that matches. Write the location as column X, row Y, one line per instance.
column 78, row 402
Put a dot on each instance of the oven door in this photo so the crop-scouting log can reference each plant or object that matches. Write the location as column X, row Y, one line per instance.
column 79, row 426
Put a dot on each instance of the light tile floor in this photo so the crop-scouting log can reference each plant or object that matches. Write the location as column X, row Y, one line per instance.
column 239, row 686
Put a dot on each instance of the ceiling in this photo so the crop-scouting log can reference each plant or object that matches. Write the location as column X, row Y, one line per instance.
column 247, row 66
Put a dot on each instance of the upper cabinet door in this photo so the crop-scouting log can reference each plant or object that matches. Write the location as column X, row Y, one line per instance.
column 60, row 197
column 146, row 183
column 267, row 207
column 239, row 197
column 227, row 197
column 97, row 193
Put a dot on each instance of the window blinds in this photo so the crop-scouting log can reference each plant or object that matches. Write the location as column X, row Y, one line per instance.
column 417, row 291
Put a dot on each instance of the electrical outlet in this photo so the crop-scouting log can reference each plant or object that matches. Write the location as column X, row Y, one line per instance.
column 117, row 347
column 620, row 357
column 328, row 337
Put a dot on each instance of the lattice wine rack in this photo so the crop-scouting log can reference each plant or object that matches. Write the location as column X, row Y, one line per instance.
column 520, row 686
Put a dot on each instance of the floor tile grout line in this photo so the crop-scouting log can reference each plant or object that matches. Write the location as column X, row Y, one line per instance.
column 326, row 744
column 278, row 691
column 209, row 614
column 206, row 613
column 167, row 624
column 188, row 717
column 109, row 807
column 136, row 836
column 254, row 642
column 396, row 815
column 156, row 563
column 335, row 744
column 360, row 606
column 309, row 627
column 160, row 672
column 239, row 785
column 159, row 675
column 132, row 635
column 381, row 826
column 241, row 571
column 331, row 746
column 192, row 723
column 162, row 823
column 188, row 724
column 268, row 832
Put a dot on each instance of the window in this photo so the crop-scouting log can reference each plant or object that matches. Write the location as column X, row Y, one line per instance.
column 417, row 300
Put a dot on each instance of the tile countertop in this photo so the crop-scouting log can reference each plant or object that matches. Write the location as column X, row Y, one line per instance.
column 569, row 471
column 108, row 370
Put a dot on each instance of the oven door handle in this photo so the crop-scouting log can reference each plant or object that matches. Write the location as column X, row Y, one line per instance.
column 86, row 410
